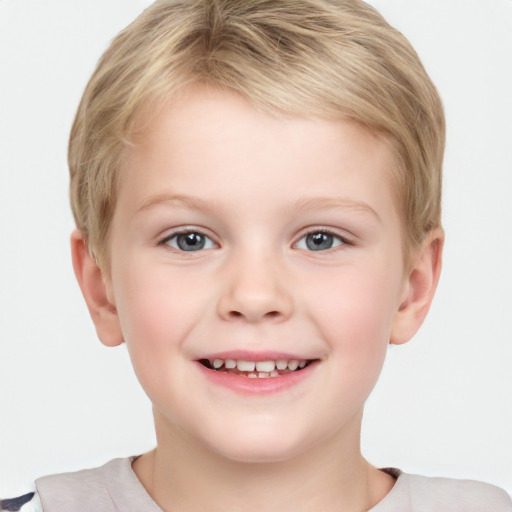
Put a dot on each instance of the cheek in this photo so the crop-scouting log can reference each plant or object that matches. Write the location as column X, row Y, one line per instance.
column 355, row 313
column 155, row 311
column 155, row 316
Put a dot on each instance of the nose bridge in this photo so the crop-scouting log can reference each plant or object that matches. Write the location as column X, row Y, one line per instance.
column 256, row 287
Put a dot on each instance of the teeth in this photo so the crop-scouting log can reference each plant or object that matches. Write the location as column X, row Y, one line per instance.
column 293, row 365
column 260, row 369
column 265, row 366
column 245, row 366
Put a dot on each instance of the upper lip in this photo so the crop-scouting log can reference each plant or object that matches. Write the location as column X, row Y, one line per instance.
column 256, row 356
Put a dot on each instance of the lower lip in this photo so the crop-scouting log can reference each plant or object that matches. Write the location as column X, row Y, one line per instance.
column 257, row 386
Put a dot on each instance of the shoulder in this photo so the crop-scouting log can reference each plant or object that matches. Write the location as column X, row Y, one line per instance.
column 26, row 503
column 428, row 494
column 111, row 487
column 87, row 489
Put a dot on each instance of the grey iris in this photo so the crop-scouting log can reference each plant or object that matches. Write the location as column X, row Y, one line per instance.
column 319, row 241
column 191, row 241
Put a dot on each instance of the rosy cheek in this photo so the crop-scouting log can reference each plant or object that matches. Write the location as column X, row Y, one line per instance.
column 143, row 309
column 158, row 310
column 355, row 314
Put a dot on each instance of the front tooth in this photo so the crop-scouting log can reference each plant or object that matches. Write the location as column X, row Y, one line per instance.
column 265, row 366
column 230, row 364
column 217, row 363
column 282, row 365
column 293, row 365
column 263, row 375
column 246, row 366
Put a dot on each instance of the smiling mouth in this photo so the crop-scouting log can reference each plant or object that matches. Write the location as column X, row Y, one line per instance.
column 256, row 369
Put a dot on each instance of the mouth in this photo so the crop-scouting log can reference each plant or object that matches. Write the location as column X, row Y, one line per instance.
column 256, row 369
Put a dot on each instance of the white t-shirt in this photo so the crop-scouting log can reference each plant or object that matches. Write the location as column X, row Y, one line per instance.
column 114, row 487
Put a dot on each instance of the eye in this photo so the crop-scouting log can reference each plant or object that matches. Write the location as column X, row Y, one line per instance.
column 320, row 241
column 189, row 241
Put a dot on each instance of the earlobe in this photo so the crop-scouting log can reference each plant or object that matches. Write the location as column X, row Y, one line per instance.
column 94, row 289
column 419, row 288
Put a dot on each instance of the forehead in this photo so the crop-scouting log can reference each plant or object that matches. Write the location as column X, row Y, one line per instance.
column 209, row 138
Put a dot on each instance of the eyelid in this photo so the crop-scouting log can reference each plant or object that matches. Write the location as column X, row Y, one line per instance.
column 184, row 230
column 345, row 239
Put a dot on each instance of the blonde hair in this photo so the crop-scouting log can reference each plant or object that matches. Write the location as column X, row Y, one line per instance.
column 319, row 58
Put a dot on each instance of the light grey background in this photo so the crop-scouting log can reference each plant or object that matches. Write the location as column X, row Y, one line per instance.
column 443, row 404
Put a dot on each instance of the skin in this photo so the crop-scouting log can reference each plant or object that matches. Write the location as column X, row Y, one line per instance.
column 256, row 186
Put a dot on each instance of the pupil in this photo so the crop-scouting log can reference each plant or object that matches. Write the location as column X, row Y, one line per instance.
column 319, row 241
column 191, row 241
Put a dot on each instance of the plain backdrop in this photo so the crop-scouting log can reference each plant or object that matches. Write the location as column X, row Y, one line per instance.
column 443, row 403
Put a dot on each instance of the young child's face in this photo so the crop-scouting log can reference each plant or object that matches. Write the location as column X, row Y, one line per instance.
column 239, row 236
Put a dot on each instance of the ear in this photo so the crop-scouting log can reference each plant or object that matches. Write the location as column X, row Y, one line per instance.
column 94, row 286
column 419, row 288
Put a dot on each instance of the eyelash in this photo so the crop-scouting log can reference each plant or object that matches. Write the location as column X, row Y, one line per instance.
column 343, row 241
column 190, row 231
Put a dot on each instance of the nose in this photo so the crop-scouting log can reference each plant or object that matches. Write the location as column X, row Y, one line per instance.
column 254, row 291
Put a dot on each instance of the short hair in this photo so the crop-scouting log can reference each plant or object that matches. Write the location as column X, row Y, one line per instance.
column 317, row 58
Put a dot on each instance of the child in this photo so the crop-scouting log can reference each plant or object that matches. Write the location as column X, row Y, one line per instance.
column 256, row 187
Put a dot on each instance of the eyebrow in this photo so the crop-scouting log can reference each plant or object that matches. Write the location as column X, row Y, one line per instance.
column 180, row 201
column 301, row 204
column 318, row 203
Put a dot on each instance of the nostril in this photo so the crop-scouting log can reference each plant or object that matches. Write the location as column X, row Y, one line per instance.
column 269, row 314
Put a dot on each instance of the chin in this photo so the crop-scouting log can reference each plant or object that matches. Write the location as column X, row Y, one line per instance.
column 256, row 455
column 260, row 447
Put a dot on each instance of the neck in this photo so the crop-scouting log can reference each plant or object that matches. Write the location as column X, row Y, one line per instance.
column 182, row 475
